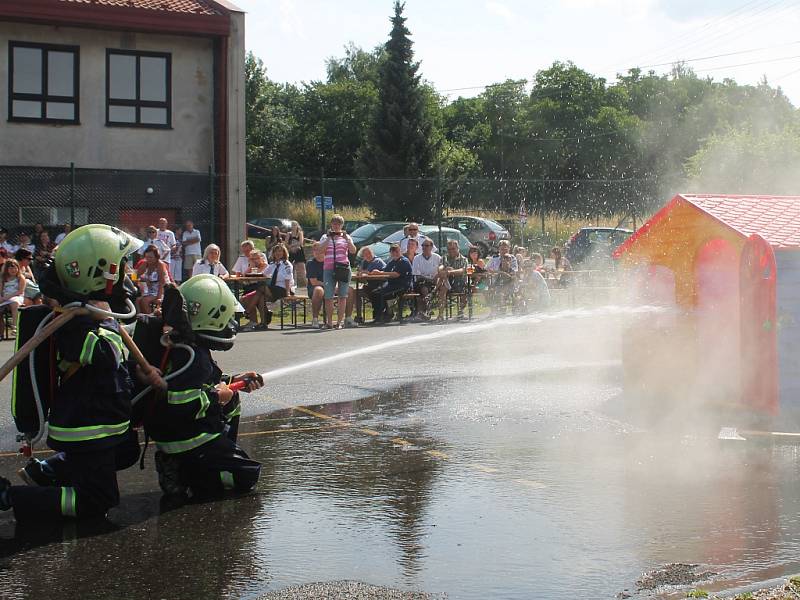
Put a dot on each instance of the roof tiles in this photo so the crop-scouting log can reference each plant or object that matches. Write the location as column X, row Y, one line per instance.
column 775, row 218
column 193, row 7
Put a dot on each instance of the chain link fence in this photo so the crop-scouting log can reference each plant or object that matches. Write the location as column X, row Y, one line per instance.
column 534, row 210
column 127, row 199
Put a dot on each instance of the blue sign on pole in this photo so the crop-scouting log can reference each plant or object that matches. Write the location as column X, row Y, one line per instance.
column 328, row 202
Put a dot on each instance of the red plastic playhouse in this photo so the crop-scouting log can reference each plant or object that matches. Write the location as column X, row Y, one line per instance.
column 729, row 266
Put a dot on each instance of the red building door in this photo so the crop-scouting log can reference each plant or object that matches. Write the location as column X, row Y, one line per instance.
column 759, row 338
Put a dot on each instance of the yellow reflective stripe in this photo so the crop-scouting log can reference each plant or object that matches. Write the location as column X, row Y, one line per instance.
column 88, row 348
column 186, row 445
column 115, row 340
column 235, row 412
column 204, row 404
column 68, row 502
column 226, row 477
column 183, row 397
column 84, row 434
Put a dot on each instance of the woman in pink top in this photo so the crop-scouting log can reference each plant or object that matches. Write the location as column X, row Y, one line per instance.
column 337, row 245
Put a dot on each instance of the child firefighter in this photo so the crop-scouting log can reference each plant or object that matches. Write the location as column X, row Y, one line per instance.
column 89, row 415
column 195, row 423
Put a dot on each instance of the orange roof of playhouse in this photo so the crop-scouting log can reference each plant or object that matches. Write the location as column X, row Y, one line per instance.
column 775, row 218
column 196, row 7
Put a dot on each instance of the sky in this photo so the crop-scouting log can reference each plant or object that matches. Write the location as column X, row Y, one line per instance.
column 465, row 44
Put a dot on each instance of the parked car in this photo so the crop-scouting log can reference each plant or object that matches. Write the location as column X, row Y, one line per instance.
column 594, row 244
column 262, row 226
column 349, row 226
column 484, row 233
column 381, row 249
column 375, row 232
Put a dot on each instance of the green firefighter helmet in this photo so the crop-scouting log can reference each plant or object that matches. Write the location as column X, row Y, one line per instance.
column 210, row 302
column 84, row 259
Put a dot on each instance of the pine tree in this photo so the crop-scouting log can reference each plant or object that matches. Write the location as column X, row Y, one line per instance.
column 400, row 143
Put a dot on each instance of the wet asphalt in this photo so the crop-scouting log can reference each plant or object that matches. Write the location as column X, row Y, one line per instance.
column 496, row 459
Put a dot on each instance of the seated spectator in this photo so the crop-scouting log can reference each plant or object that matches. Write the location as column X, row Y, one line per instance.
column 504, row 269
column 242, row 264
column 13, row 292
column 60, row 237
column 425, row 270
column 366, row 265
column 32, row 293
column 24, row 241
column 5, row 244
column 250, row 299
column 535, row 290
column 452, row 276
column 412, row 249
column 280, row 284
column 399, row 282
column 314, row 283
column 43, row 253
column 210, row 263
column 151, row 274
column 477, row 266
column 562, row 266
column 538, row 262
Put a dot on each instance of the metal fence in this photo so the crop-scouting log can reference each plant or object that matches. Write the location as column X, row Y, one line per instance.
column 128, row 199
column 429, row 198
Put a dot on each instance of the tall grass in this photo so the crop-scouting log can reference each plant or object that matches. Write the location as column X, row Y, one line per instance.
column 306, row 213
column 557, row 229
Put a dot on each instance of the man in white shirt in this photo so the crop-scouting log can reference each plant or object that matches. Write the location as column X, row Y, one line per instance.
column 60, row 237
column 413, row 233
column 191, row 247
column 424, row 270
column 152, row 239
column 166, row 236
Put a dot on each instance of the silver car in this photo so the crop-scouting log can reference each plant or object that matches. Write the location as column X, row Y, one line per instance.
column 484, row 233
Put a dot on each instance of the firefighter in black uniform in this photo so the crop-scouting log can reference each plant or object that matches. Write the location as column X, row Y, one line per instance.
column 195, row 424
column 89, row 416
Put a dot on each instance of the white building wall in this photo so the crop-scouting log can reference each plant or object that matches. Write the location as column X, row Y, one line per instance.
column 788, row 299
column 188, row 146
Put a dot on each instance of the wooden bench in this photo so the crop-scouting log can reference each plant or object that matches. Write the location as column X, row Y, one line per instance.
column 408, row 296
column 291, row 302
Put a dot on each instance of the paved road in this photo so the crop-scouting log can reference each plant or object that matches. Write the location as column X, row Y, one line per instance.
column 332, row 381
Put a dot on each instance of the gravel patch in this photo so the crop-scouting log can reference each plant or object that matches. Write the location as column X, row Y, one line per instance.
column 346, row 590
column 672, row 574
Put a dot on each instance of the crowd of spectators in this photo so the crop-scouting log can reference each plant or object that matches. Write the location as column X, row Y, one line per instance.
column 415, row 273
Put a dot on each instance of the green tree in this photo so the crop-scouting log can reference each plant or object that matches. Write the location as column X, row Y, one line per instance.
column 400, row 143
column 747, row 162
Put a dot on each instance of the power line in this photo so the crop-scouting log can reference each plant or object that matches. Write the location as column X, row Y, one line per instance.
column 670, row 49
column 755, row 21
column 747, row 64
column 449, row 91
column 702, row 58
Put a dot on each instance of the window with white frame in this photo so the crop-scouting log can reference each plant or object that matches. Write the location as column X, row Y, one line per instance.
column 43, row 83
column 52, row 215
column 138, row 88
